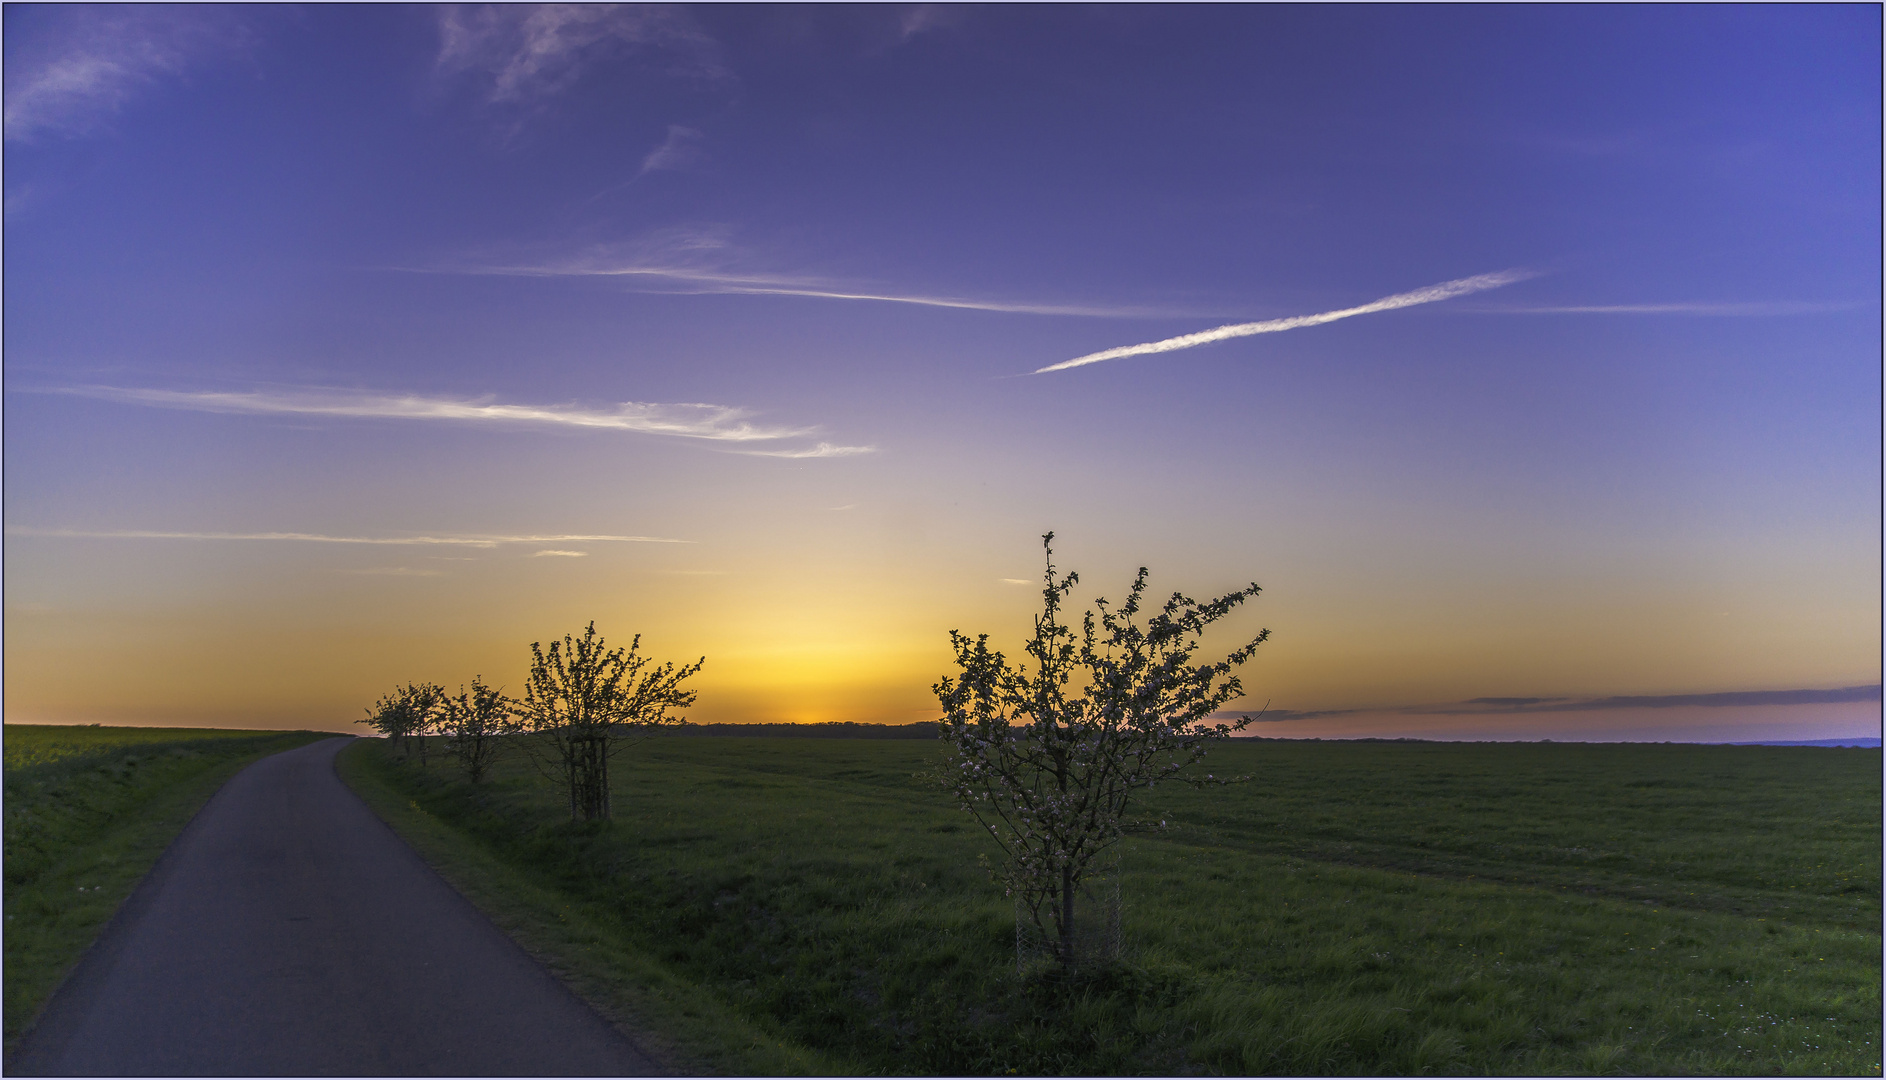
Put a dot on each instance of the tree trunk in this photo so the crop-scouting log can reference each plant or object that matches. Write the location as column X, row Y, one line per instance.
column 1067, row 914
column 602, row 776
column 570, row 773
column 589, row 779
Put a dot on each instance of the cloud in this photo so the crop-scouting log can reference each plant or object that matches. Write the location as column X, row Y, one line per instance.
column 681, row 149
column 563, row 554
column 923, row 18
column 1445, row 290
column 1271, row 716
column 1732, row 698
column 531, row 51
column 702, row 259
column 1015, row 581
column 822, row 450
column 69, row 68
column 476, row 541
column 719, row 423
column 696, row 281
column 1518, row 702
column 1779, row 307
column 1511, row 705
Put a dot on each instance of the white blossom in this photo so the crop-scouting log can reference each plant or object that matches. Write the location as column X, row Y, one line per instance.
column 1058, row 769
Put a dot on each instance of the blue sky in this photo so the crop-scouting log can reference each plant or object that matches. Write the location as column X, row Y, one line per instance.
column 766, row 287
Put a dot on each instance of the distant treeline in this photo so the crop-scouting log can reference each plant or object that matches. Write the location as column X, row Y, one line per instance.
column 922, row 729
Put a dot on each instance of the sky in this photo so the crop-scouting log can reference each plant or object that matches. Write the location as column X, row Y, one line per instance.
column 1528, row 358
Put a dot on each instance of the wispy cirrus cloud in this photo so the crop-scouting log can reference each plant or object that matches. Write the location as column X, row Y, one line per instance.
column 925, row 18
column 703, row 259
column 558, row 553
column 474, row 541
column 822, row 450
column 1732, row 309
column 526, row 52
column 687, row 280
column 70, row 67
column 1446, row 290
column 714, row 423
column 681, row 149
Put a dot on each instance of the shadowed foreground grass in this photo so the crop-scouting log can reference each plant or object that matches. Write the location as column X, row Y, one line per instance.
column 1357, row 908
column 88, row 811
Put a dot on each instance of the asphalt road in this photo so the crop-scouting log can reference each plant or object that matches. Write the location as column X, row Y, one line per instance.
column 288, row 931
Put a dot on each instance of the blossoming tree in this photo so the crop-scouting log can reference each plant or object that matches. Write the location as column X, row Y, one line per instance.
column 583, row 699
column 408, row 713
column 1048, row 758
column 473, row 723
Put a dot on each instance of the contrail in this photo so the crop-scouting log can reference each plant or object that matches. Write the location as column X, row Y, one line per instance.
column 1444, row 291
column 320, row 538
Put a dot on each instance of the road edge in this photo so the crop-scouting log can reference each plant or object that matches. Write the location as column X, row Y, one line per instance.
column 19, row 1052
column 682, row 1026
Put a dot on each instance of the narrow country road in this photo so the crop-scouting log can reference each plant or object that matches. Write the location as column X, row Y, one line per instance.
column 288, row 931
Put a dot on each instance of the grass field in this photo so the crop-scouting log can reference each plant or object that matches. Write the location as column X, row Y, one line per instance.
column 781, row 905
column 88, row 811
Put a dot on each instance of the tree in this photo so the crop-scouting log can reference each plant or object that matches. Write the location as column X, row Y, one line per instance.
column 409, row 711
column 584, row 699
column 1048, row 758
column 473, row 722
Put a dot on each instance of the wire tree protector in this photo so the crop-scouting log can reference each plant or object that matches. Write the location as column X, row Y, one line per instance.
column 1048, row 757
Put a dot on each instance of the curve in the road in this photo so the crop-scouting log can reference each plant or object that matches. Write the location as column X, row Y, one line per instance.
column 289, row 932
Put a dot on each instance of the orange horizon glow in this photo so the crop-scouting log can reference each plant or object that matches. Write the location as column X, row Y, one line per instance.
column 374, row 371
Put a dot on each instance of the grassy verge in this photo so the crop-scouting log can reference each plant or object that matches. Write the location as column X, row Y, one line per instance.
column 684, row 1027
column 88, row 811
column 1355, row 909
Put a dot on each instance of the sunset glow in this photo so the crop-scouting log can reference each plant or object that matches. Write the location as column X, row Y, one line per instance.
column 1515, row 352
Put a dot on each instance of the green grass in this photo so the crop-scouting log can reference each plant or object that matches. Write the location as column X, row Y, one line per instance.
column 1357, row 908
column 87, row 812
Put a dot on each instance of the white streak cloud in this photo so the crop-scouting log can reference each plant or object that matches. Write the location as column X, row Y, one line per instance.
column 560, row 554
column 692, row 281
column 702, row 259
column 720, row 423
column 475, row 541
column 1754, row 308
column 1432, row 293
column 822, row 450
